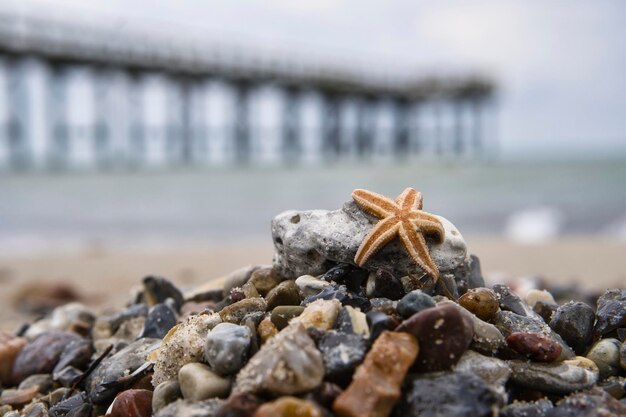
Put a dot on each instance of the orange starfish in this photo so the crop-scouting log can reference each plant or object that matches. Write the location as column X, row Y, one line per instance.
column 403, row 218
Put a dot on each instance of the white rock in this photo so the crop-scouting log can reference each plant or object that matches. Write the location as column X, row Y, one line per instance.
column 305, row 241
column 198, row 383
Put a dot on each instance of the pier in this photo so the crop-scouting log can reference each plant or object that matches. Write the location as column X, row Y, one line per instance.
column 77, row 96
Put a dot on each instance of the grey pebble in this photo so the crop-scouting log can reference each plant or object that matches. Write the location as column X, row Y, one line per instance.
column 574, row 322
column 226, row 349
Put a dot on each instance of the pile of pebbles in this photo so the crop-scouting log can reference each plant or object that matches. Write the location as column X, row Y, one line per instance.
column 337, row 341
column 346, row 343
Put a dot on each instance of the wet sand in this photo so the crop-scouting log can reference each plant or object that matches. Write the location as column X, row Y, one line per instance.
column 104, row 277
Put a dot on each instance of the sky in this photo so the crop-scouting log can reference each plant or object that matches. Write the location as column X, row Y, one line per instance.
column 560, row 65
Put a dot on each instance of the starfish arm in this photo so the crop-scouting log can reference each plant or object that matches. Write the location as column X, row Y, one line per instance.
column 375, row 204
column 428, row 224
column 379, row 236
column 410, row 199
column 415, row 245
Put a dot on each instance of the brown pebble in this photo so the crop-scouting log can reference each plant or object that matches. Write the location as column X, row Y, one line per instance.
column 483, row 302
column 535, row 346
column 375, row 387
column 132, row 403
column 444, row 334
column 288, row 407
column 18, row 397
column 234, row 313
column 264, row 280
column 284, row 294
column 266, row 330
column 42, row 354
column 10, row 347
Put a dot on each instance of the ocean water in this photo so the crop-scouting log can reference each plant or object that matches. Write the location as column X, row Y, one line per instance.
column 519, row 200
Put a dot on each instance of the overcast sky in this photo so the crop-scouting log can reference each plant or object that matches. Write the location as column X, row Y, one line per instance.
column 561, row 65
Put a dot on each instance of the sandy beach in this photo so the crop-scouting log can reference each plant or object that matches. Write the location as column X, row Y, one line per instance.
column 104, row 277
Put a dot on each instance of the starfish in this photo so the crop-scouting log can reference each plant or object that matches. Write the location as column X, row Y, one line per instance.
column 402, row 218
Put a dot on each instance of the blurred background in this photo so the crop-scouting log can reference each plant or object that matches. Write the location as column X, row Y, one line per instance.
column 140, row 137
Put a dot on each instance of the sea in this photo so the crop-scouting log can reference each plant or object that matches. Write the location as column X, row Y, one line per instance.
column 518, row 200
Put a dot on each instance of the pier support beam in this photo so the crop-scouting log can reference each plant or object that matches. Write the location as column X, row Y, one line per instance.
column 331, row 145
column 59, row 148
column 19, row 152
column 291, row 146
column 136, row 123
column 365, row 126
column 242, row 122
column 102, row 120
column 401, row 137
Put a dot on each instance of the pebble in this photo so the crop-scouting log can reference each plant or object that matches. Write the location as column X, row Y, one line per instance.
column 527, row 409
column 284, row 294
column 289, row 363
column 611, row 312
column 321, row 314
column 165, row 393
column 606, row 355
column 454, row 394
column 592, row 403
column 10, row 348
column 102, row 384
column 289, row 407
column 414, row 302
column 281, row 315
column 72, row 317
column 443, row 333
column 557, row 378
column 533, row 296
column 475, row 278
column 380, row 376
column 238, row 404
column 383, row 284
column 44, row 383
column 183, row 344
column 510, row 301
column 186, row 408
column 622, row 356
column 495, row 372
column 42, row 354
column 76, row 354
column 508, row 322
column 237, row 278
column 227, row 346
column 346, row 274
column 482, row 302
column 384, row 305
column 378, row 323
column 132, row 403
column 266, row 330
column 68, row 376
column 353, row 321
column 35, row 409
column 74, row 404
column 310, row 285
column 235, row 312
column 545, row 310
column 157, row 290
column 342, row 353
column 343, row 295
column 574, row 321
column 535, row 346
column 18, row 397
column 161, row 318
column 264, row 279
column 615, row 386
column 198, row 382
column 487, row 338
